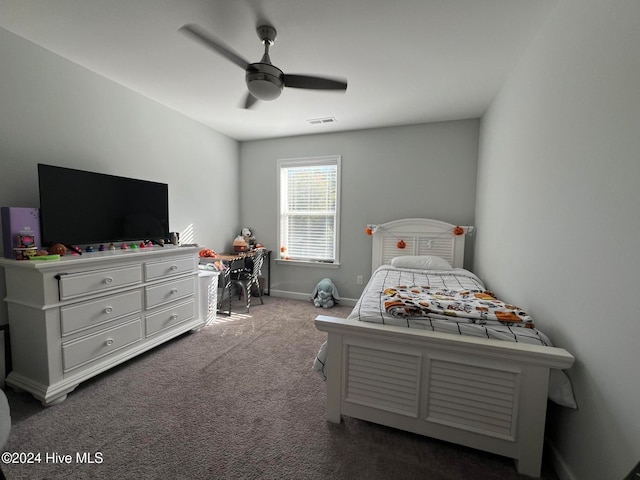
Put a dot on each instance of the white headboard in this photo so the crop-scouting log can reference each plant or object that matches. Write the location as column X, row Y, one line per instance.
column 422, row 236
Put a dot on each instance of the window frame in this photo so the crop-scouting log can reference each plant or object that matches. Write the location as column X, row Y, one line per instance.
column 309, row 162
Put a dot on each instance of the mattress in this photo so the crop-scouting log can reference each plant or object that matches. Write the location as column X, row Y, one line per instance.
column 371, row 305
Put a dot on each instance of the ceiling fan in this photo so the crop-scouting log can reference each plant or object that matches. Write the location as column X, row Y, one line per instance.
column 264, row 80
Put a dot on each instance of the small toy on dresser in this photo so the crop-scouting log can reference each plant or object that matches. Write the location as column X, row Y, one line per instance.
column 325, row 294
column 25, row 246
column 20, row 232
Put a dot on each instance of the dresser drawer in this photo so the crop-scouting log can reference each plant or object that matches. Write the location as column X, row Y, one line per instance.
column 174, row 266
column 76, row 284
column 99, row 345
column 164, row 319
column 169, row 291
column 89, row 314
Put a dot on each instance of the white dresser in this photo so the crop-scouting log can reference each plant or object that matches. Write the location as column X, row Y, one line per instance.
column 73, row 318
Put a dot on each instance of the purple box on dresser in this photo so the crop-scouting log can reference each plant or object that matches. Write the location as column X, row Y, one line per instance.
column 20, row 228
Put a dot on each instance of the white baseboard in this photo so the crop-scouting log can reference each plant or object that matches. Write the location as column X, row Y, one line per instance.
column 559, row 465
column 347, row 302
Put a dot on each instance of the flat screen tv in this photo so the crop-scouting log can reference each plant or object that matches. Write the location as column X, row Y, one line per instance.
column 86, row 208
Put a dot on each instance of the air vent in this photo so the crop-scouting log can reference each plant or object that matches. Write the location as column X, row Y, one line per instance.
column 321, row 121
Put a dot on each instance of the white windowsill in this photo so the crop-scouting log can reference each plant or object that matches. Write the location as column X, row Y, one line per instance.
column 300, row 263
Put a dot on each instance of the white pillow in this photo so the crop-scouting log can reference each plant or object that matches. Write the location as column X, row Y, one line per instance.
column 560, row 389
column 423, row 262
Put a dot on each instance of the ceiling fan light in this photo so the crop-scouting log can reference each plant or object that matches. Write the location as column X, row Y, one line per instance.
column 264, row 89
column 264, row 81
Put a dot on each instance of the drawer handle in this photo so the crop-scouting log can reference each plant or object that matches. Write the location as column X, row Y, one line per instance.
column 174, row 317
column 174, row 290
column 174, row 267
column 108, row 310
column 108, row 280
column 109, row 342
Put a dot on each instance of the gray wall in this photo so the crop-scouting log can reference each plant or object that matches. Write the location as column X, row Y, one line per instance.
column 426, row 170
column 557, row 216
column 53, row 111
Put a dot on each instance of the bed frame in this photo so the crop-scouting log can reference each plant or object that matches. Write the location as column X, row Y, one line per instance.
column 423, row 382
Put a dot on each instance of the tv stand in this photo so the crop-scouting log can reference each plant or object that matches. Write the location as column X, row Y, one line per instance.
column 72, row 319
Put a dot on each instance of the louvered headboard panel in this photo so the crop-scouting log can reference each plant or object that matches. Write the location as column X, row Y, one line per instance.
column 422, row 236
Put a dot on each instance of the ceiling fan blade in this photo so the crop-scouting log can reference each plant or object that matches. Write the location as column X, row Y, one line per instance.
column 317, row 83
column 249, row 101
column 212, row 42
column 258, row 12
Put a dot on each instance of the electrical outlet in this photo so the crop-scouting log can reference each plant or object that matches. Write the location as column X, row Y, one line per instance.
column 359, row 279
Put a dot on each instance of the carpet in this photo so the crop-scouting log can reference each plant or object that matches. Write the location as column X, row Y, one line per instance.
column 236, row 400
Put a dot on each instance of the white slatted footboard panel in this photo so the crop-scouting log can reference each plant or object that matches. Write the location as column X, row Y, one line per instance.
column 478, row 399
column 384, row 380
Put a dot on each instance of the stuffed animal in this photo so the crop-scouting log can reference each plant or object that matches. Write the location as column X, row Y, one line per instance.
column 325, row 294
column 248, row 236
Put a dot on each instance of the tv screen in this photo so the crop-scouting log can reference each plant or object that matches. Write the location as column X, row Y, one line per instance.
column 86, row 208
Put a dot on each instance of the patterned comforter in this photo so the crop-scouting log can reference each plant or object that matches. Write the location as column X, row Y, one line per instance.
column 479, row 306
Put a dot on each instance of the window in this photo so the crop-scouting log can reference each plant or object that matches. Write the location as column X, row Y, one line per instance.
column 309, row 206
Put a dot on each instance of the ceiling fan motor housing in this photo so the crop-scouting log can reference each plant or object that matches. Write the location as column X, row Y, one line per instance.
column 264, row 81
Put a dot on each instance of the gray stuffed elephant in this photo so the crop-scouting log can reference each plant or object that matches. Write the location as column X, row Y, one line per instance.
column 325, row 294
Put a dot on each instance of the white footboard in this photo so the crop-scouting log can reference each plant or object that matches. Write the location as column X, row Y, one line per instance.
column 481, row 393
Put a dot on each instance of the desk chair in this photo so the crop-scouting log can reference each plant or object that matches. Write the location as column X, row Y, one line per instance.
column 225, row 282
column 247, row 279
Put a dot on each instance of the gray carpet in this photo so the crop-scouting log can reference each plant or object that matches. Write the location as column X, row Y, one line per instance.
column 237, row 400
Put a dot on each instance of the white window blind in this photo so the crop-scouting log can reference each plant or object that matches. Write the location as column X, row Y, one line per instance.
column 309, row 207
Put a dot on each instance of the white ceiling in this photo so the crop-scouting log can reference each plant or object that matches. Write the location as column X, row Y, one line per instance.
column 406, row 61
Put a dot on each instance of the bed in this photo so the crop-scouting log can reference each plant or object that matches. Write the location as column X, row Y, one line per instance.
column 455, row 379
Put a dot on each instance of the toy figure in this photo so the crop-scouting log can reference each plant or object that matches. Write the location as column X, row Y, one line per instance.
column 58, row 249
column 325, row 294
column 248, row 237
